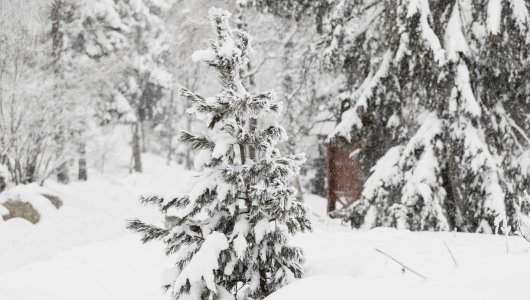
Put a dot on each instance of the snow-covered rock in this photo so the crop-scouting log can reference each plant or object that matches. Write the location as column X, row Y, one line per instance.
column 30, row 202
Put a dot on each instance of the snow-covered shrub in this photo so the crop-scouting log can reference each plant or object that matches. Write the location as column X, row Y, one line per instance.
column 28, row 116
column 230, row 236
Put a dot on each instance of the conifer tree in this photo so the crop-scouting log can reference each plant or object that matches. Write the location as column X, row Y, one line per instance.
column 230, row 237
column 438, row 101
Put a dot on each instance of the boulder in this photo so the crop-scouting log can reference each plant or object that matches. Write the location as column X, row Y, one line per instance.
column 19, row 209
column 30, row 202
column 55, row 200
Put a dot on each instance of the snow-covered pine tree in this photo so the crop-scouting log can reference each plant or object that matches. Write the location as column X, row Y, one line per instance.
column 438, row 100
column 231, row 234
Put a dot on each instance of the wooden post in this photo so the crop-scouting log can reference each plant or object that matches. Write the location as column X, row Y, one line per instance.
column 329, row 171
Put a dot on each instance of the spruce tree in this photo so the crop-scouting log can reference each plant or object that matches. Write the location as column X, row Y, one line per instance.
column 230, row 237
column 457, row 161
column 437, row 97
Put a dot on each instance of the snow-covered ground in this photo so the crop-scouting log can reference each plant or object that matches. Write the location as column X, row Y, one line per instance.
column 85, row 252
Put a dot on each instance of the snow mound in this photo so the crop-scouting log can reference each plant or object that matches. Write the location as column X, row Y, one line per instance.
column 346, row 265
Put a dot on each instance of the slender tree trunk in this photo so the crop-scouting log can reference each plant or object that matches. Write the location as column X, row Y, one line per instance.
column 63, row 174
column 189, row 163
column 247, row 82
column 3, row 184
column 136, row 147
column 453, row 204
column 142, row 135
column 82, row 163
column 63, row 170
column 31, row 170
column 291, row 147
column 288, row 90
column 171, row 133
column 3, row 177
column 252, row 122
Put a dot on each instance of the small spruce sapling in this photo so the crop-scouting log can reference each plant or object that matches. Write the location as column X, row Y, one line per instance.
column 230, row 234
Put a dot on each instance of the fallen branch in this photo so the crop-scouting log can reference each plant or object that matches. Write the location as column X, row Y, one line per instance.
column 401, row 264
column 450, row 253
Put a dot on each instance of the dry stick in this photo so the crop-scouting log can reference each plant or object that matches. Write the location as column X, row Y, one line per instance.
column 506, row 242
column 401, row 264
column 450, row 253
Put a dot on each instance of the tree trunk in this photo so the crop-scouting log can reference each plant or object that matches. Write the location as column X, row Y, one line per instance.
column 453, row 204
column 291, row 148
column 189, row 163
column 136, row 147
column 63, row 175
column 56, row 34
column 82, row 164
column 3, row 177
column 31, row 170
column 63, row 171
column 171, row 133
column 247, row 82
column 142, row 135
column 252, row 122
column 3, row 184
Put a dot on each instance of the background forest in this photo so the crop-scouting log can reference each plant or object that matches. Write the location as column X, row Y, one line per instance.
column 74, row 70
column 102, row 100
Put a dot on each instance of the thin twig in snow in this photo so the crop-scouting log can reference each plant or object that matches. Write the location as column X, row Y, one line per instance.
column 506, row 241
column 401, row 264
column 450, row 253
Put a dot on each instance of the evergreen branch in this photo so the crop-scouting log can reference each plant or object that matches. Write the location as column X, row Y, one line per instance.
column 191, row 96
column 149, row 232
column 196, row 142
column 154, row 200
column 174, row 202
column 272, row 135
column 262, row 102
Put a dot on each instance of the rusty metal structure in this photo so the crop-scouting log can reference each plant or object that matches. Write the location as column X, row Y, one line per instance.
column 343, row 176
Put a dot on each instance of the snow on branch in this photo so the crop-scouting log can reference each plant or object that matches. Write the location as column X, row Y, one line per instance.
column 422, row 7
column 494, row 16
column 422, row 174
column 520, row 14
column 203, row 264
column 455, row 42
column 365, row 92
column 470, row 104
column 479, row 159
